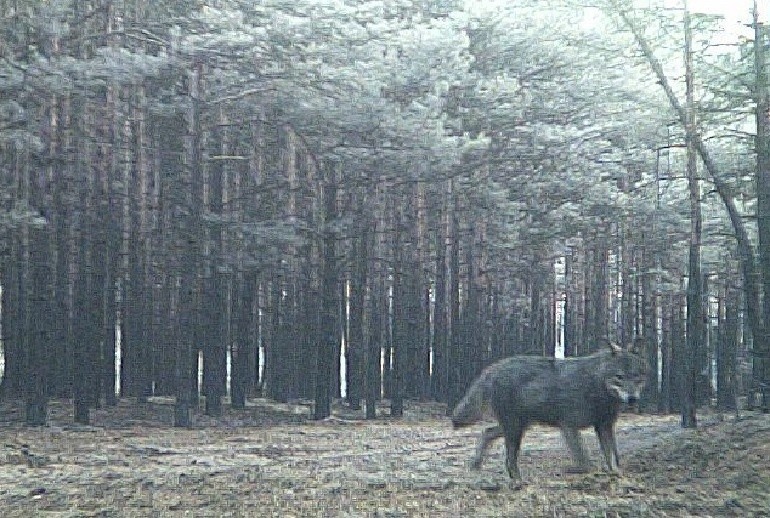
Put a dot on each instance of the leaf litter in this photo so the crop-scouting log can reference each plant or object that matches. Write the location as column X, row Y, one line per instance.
column 272, row 460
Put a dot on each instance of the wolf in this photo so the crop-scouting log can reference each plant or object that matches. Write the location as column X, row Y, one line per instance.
column 571, row 394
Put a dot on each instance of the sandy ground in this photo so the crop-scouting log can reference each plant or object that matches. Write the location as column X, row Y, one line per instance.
column 271, row 460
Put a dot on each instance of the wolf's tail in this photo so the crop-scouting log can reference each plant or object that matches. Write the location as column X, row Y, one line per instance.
column 470, row 409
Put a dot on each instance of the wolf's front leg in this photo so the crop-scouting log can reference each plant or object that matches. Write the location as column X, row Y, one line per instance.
column 514, row 432
column 575, row 444
column 606, row 434
column 487, row 436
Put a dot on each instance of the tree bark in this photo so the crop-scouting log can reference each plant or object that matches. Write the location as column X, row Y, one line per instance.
column 726, row 349
column 373, row 359
column 441, row 353
column 762, row 99
column 398, row 320
column 694, row 286
column 328, row 338
column 455, row 389
column 356, row 344
column 188, row 243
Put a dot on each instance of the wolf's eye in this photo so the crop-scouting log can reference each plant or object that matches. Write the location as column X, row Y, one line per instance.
column 619, row 377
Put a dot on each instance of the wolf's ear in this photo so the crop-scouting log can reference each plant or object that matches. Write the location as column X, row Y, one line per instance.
column 638, row 345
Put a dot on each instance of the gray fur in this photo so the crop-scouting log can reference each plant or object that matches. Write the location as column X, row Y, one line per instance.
column 571, row 394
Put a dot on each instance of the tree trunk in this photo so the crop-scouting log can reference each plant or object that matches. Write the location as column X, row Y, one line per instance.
column 570, row 337
column 33, row 304
column 189, row 214
column 81, row 361
column 356, row 344
column 213, row 350
column 373, row 380
column 726, row 349
column 595, row 295
column 39, row 345
column 678, row 350
column 694, row 286
column 398, row 320
column 81, row 324
column 112, row 261
column 534, row 342
column 441, row 354
column 627, row 306
column 243, row 376
column 455, row 388
column 13, row 384
column 650, row 395
column 426, row 375
column 241, row 345
column 328, row 337
column 666, row 383
column 762, row 99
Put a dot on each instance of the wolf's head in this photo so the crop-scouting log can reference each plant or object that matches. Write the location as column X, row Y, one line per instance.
column 624, row 371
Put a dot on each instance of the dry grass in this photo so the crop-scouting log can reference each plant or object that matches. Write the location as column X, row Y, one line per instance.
column 271, row 461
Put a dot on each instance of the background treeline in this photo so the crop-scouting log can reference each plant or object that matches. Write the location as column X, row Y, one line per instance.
column 259, row 191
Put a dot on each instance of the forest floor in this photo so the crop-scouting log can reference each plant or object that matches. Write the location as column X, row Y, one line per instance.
column 272, row 460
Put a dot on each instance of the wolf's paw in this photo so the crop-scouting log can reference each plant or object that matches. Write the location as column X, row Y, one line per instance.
column 487, row 485
column 576, row 469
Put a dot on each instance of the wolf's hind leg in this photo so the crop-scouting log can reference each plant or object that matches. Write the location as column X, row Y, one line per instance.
column 575, row 444
column 487, row 436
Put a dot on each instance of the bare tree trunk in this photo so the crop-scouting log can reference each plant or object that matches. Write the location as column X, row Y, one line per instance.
column 596, row 295
column 13, row 349
column 441, row 353
column 694, row 286
column 455, row 388
column 570, row 337
column 426, row 375
column 666, row 383
column 650, row 394
column 217, row 190
column 39, row 354
column 356, row 344
column 188, row 211
column 274, row 347
column 726, row 349
column 242, row 300
column 374, row 349
column 678, row 350
column 328, row 337
column 80, row 243
column 145, row 328
column 33, row 283
column 762, row 99
column 627, row 306
column 412, row 338
column 533, row 344
column 373, row 358
column 398, row 319
column 112, row 260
